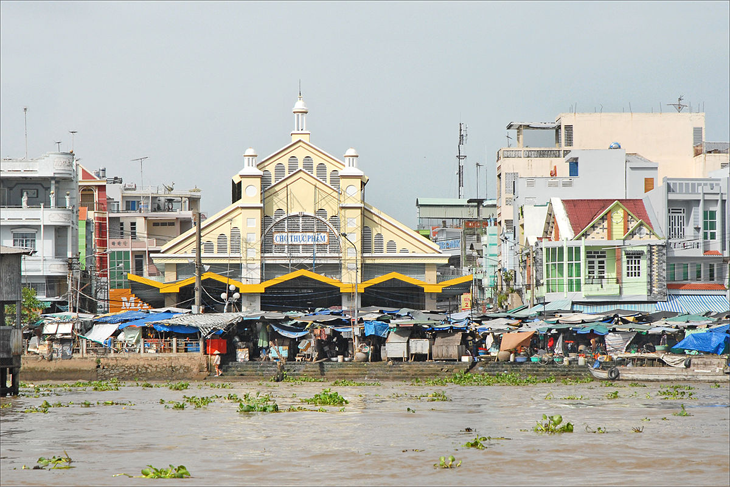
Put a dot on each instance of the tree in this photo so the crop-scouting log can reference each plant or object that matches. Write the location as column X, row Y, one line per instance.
column 30, row 310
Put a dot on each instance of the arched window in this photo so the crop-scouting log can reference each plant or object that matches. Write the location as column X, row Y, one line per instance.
column 235, row 240
column 367, row 240
column 293, row 164
column 403, row 251
column 335, row 242
column 335, row 179
column 87, row 199
column 266, row 179
column 279, row 172
column 322, row 172
column 208, row 247
column 308, row 164
column 268, row 242
column 279, row 226
column 222, row 244
column 391, row 248
column 321, row 227
column 378, row 247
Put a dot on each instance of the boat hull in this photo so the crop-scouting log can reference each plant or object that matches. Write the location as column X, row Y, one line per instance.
column 660, row 374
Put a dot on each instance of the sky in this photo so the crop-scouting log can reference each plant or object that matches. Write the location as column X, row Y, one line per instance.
column 192, row 85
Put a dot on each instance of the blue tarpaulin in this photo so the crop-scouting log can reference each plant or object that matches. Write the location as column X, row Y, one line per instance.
column 147, row 318
column 377, row 328
column 708, row 342
column 122, row 317
column 289, row 331
column 175, row 328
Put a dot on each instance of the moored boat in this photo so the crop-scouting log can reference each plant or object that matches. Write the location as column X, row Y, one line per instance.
column 664, row 367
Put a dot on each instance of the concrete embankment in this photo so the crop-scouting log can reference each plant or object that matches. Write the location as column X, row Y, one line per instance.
column 196, row 367
column 183, row 366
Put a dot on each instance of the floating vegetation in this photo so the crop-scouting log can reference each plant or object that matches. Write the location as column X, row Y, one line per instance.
column 599, row 430
column 53, row 463
column 506, row 378
column 715, row 386
column 549, row 396
column 146, row 384
column 573, row 398
column 178, row 386
column 199, row 402
column 477, row 443
column 179, row 472
column 435, row 396
column 637, row 429
column 327, row 398
column 222, row 385
column 636, row 384
column 283, row 376
column 257, row 404
column 411, row 410
column 113, row 403
column 553, row 425
column 6, row 405
column 447, row 462
column 683, row 412
column 581, row 380
column 612, row 395
column 676, row 393
column 611, row 384
column 351, row 383
column 646, row 419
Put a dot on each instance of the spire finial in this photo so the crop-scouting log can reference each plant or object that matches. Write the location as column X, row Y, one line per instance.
column 300, row 89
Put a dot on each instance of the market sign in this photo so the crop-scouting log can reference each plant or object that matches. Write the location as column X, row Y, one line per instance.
column 301, row 238
column 454, row 243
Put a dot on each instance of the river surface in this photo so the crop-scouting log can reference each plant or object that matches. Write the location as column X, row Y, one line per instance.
column 386, row 435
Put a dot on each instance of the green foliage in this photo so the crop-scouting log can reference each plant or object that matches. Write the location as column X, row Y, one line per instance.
column 257, row 404
column 199, row 402
column 178, row 386
column 477, row 443
column 636, row 384
column 30, row 309
column 676, row 392
column 715, row 386
column 612, row 395
column 283, row 376
column 637, row 429
column 573, row 398
column 327, row 398
column 553, row 425
column 507, row 378
column 179, row 472
column 411, row 410
column 581, row 380
column 445, row 462
column 351, row 383
column 222, row 385
column 683, row 412
column 435, row 396
column 55, row 463
column 599, row 430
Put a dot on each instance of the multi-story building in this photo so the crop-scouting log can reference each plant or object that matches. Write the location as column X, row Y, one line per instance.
column 674, row 141
column 140, row 222
column 598, row 173
column 38, row 211
column 299, row 234
column 693, row 214
column 601, row 254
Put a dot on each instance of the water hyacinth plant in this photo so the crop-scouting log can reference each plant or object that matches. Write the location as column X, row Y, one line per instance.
column 553, row 425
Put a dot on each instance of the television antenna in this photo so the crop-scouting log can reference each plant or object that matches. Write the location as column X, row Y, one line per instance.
column 58, row 145
column 679, row 105
column 25, row 122
column 508, row 140
column 73, row 133
column 478, row 166
column 461, row 157
column 141, row 174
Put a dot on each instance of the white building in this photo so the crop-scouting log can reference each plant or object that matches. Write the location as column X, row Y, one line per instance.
column 38, row 203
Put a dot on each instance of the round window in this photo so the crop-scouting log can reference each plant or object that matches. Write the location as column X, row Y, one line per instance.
column 351, row 190
column 251, row 191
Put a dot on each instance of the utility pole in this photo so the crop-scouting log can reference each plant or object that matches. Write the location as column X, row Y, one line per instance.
column 461, row 157
column 532, row 278
column 197, row 263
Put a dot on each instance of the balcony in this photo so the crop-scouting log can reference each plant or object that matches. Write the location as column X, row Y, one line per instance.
column 52, row 165
column 133, row 244
column 35, row 215
column 531, row 153
column 35, row 265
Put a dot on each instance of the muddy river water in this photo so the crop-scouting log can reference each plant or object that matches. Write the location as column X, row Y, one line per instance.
column 390, row 434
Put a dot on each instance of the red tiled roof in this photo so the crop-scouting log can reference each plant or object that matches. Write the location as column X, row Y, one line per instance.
column 713, row 252
column 695, row 286
column 582, row 212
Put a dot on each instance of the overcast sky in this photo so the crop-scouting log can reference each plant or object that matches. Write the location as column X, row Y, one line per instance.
column 193, row 85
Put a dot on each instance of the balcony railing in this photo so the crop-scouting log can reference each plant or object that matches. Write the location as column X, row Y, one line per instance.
column 531, row 153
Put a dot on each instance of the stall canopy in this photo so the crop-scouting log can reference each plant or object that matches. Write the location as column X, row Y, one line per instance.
column 377, row 328
column 58, row 328
column 288, row 331
column 617, row 342
column 708, row 342
column 148, row 318
column 511, row 341
column 100, row 332
column 122, row 317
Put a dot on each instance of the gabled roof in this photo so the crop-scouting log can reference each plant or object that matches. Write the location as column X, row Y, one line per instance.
column 294, row 143
column 583, row 211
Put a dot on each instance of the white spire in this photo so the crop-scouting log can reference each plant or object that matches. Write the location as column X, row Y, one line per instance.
column 249, row 164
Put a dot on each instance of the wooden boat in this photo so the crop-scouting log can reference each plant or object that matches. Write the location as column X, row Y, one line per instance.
column 653, row 367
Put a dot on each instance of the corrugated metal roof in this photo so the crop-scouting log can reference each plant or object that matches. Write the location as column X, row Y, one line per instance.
column 206, row 323
column 449, row 202
column 532, row 125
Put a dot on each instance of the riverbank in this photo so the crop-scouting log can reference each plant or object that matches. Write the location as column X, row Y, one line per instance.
column 186, row 366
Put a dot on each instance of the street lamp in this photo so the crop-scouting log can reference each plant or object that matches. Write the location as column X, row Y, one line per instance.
column 354, row 319
column 230, row 298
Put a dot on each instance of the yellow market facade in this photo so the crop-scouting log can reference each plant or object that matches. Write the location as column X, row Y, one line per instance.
column 298, row 234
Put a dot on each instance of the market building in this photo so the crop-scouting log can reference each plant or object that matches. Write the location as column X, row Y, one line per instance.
column 299, row 234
